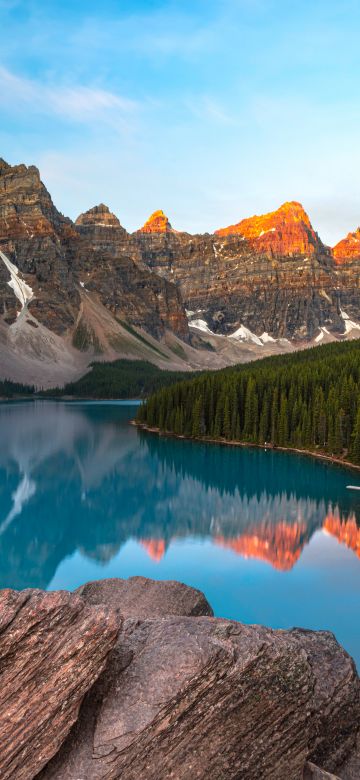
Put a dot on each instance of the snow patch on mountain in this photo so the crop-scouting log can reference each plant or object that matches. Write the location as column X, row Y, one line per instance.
column 22, row 290
column 201, row 325
column 267, row 339
column 244, row 334
column 349, row 324
column 320, row 336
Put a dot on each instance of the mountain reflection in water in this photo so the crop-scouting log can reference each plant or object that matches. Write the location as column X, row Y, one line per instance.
column 269, row 537
column 78, row 477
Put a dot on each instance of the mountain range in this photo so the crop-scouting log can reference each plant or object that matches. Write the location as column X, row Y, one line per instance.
column 75, row 292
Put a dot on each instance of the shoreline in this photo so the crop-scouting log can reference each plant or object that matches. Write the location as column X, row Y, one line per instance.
column 68, row 398
column 309, row 453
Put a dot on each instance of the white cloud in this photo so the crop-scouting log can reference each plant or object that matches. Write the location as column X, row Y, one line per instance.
column 76, row 103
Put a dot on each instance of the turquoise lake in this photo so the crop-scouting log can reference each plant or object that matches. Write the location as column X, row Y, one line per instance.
column 269, row 537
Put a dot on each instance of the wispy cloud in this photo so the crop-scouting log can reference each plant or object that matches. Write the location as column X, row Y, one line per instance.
column 235, row 106
column 76, row 103
column 210, row 109
column 165, row 33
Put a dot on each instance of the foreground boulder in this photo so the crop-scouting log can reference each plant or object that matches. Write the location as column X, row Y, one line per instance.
column 53, row 646
column 182, row 698
column 313, row 772
column 141, row 597
column 189, row 698
column 209, row 698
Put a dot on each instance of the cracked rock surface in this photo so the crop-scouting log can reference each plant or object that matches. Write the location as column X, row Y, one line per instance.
column 53, row 647
column 170, row 692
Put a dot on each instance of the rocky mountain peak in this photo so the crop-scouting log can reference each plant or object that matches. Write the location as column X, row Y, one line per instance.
column 4, row 166
column 348, row 248
column 100, row 216
column 157, row 223
column 286, row 231
column 293, row 211
column 26, row 208
column 31, row 172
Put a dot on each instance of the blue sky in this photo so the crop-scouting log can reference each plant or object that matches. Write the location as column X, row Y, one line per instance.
column 212, row 109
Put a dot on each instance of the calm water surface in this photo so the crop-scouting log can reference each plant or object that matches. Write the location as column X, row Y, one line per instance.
column 269, row 537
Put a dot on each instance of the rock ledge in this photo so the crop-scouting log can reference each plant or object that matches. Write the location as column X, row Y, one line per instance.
column 135, row 679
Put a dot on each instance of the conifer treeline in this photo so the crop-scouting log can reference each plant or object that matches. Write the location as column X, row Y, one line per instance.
column 309, row 400
column 119, row 379
column 9, row 389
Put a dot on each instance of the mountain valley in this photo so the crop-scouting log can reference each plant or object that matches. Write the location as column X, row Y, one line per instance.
column 75, row 292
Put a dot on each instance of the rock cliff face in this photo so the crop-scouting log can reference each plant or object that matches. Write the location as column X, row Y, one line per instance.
column 182, row 694
column 35, row 237
column 348, row 249
column 267, row 282
column 58, row 260
column 109, row 265
column 270, row 275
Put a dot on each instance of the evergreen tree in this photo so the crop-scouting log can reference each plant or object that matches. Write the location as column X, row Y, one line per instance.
column 264, row 421
column 283, row 422
column 196, row 418
column 226, row 419
column 309, row 399
column 217, row 429
column 356, row 440
column 275, row 416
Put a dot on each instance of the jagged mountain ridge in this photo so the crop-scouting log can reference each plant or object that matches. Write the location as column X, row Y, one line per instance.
column 111, row 266
column 268, row 275
column 268, row 283
column 86, row 289
column 52, row 252
column 36, row 237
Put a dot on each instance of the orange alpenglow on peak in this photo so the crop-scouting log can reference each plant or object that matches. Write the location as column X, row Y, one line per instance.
column 157, row 223
column 287, row 231
column 345, row 531
column 156, row 548
column 348, row 249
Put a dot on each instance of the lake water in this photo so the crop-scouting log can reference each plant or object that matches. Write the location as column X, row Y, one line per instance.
column 269, row 537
